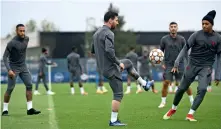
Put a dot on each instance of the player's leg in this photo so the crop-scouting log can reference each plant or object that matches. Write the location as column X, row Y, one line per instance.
column 71, row 82
column 7, row 96
column 128, row 84
column 168, row 78
column 116, row 85
column 139, row 90
column 49, row 92
column 187, row 78
column 209, row 88
column 203, row 77
column 178, row 77
column 171, row 85
column 80, row 83
column 26, row 78
column 37, row 84
column 131, row 70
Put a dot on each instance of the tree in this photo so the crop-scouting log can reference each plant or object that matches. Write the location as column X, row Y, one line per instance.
column 123, row 38
column 48, row 26
column 31, row 26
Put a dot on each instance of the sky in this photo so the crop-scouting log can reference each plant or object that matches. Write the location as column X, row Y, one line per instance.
column 140, row 15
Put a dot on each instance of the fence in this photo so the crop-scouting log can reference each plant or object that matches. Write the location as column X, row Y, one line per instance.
column 61, row 74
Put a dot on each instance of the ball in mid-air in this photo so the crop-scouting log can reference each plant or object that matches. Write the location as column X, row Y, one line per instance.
column 156, row 56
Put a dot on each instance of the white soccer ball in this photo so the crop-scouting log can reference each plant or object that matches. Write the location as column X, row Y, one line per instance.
column 156, row 56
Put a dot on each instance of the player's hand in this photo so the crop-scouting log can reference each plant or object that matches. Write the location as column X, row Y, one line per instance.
column 216, row 82
column 11, row 74
column 174, row 70
column 54, row 64
column 121, row 66
column 163, row 66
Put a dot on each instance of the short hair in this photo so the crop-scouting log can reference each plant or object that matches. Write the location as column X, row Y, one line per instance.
column 172, row 23
column 110, row 15
column 132, row 48
column 20, row 25
column 73, row 48
column 43, row 50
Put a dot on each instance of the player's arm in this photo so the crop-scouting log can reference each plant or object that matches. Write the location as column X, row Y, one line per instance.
column 78, row 60
column 186, row 54
column 6, row 55
column 185, row 49
column 162, row 48
column 109, row 49
column 47, row 62
column 218, row 64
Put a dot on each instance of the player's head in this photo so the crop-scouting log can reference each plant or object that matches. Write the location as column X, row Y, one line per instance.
column 173, row 27
column 145, row 53
column 132, row 48
column 207, row 21
column 111, row 19
column 20, row 30
column 44, row 51
column 74, row 49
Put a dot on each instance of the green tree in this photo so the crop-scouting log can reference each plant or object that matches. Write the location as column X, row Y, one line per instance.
column 31, row 26
column 48, row 26
column 123, row 39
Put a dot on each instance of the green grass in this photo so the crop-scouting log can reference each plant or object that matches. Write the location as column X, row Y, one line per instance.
column 93, row 111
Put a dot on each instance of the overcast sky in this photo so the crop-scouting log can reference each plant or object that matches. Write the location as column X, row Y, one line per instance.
column 140, row 15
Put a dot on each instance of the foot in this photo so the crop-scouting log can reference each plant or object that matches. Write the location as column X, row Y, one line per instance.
column 139, row 91
column 209, row 89
column 5, row 113
column 105, row 90
column 155, row 91
column 72, row 93
column 84, row 93
column 162, row 105
column 116, row 123
column 169, row 114
column 148, row 85
column 127, row 92
column 36, row 93
column 99, row 92
column 32, row 111
column 50, row 93
column 190, row 117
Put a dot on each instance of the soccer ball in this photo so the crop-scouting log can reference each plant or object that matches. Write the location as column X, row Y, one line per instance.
column 156, row 56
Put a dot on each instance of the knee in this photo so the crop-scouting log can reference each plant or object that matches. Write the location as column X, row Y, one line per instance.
column 118, row 96
column 166, row 83
column 9, row 91
column 29, row 87
column 202, row 89
column 128, row 63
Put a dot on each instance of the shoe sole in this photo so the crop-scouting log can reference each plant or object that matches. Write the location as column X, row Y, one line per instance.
column 191, row 120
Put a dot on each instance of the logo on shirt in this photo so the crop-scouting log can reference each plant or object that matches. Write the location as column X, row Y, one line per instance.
column 213, row 43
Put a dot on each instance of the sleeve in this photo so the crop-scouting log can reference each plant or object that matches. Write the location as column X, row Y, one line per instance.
column 162, row 44
column 186, row 54
column 218, row 66
column 109, row 49
column 79, row 64
column 6, row 55
column 139, row 59
column 46, row 61
column 185, row 49
column 162, row 47
column 218, row 61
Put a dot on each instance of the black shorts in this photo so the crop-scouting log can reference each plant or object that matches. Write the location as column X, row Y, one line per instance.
column 168, row 75
column 75, row 75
